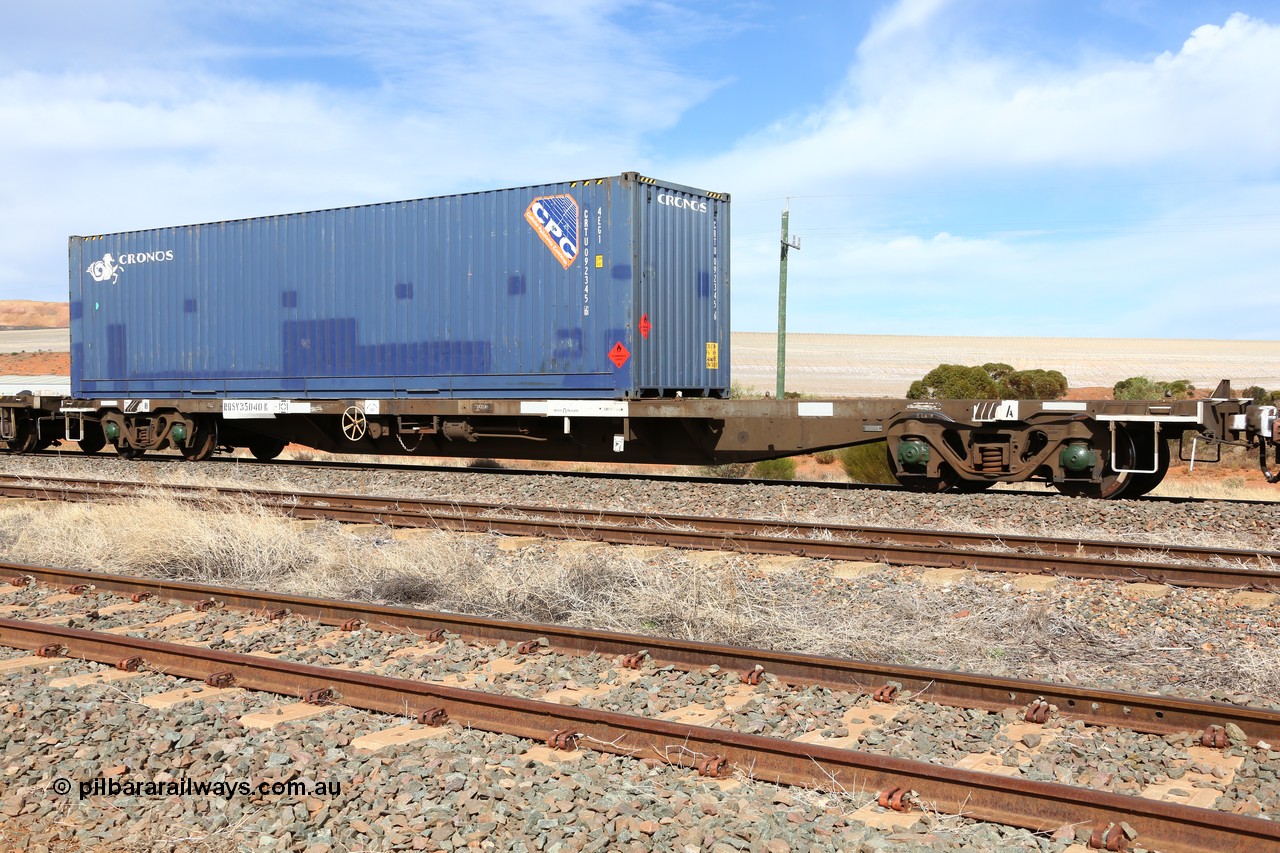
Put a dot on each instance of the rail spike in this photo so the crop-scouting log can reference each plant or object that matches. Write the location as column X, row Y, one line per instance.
column 434, row 717
column 898, row 799
column 1038, row 711
column 563, row 740
column 1110, row 837
column 887, row 692
column 1214, row 737
column 713, row 766
column 220, row 679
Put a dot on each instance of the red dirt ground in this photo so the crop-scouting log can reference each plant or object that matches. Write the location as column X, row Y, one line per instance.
column 35, row 364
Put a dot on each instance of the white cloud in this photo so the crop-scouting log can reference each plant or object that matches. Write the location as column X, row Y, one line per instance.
column 103, row 134
column 1151, row 161
column 1210, row 108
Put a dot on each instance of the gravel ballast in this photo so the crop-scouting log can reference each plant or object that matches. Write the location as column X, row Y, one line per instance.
column 465, row 789
column 1222, row 523
column 1194, row 643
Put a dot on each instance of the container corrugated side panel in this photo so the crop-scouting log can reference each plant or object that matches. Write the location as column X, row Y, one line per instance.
column 682, row 290
column 452, row 295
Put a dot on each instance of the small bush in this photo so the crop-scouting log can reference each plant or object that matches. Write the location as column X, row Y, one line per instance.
column 991, row 381
column 824, row 457
column 954, row 382
column 1034, row 385
column 1142, row 388
column 867, row 463
column 731, row 470
column 1261, row 395
column 774, row 469
column 742, row 392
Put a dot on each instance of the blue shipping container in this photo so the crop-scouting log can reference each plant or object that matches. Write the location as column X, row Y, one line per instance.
column 609, row 288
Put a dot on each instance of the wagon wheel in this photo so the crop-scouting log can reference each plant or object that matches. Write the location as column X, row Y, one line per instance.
column 947, row 477
column 24, row 439
column 1114, row 485
column 264, row 448
column 91, row 439
column 1143, row 483
column 202, row 442
column 354, row 423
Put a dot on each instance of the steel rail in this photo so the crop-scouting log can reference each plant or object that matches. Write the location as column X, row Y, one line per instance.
column 870, row 534
column 680, row 531
column 1136, row 711
column 690, row 479
column 1027, row 803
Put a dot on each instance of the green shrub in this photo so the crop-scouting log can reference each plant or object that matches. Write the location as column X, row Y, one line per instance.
column 824, row 457
column 991, row 381
column 1034, row 385
column 867, row 463
column 954, row 382
column 775, row 469
column 1260, row 395
column 1142, row 388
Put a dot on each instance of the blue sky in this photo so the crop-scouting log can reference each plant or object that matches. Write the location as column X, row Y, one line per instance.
column 1102, row 168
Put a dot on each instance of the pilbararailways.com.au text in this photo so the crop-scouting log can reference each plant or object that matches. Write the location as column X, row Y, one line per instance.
column 112, row 787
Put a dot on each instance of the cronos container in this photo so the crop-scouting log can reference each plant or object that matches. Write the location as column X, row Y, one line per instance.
column 608, row 288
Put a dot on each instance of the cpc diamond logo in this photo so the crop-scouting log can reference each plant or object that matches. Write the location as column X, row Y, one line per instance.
column 555, row 220
column 105, row 269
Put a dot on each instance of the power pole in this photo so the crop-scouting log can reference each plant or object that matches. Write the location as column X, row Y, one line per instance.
column 788, row 242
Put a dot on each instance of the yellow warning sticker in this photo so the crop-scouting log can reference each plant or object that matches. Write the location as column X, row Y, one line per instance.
column 599, row 262
column 713, row 356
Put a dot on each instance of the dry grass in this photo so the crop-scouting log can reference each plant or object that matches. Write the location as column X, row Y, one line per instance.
column 886, row 616
column 1238, row 487
column 1165, row 536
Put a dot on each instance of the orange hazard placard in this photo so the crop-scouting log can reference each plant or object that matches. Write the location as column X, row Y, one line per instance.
column 645, row 326
column 619, row 354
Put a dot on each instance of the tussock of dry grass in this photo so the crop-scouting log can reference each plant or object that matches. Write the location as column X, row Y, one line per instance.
column 233, row 543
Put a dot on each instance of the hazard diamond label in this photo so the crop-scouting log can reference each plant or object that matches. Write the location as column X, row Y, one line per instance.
column 619, row 354
column 645, row 326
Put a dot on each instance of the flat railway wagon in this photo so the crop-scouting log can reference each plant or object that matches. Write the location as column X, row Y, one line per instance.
column 585, row 320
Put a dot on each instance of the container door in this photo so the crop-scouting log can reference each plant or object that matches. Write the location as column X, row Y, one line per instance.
column 681, row 308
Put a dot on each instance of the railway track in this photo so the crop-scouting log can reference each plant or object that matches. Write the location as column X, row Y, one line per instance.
column 1078, row 558
column 711, row 749
column 690, row 479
